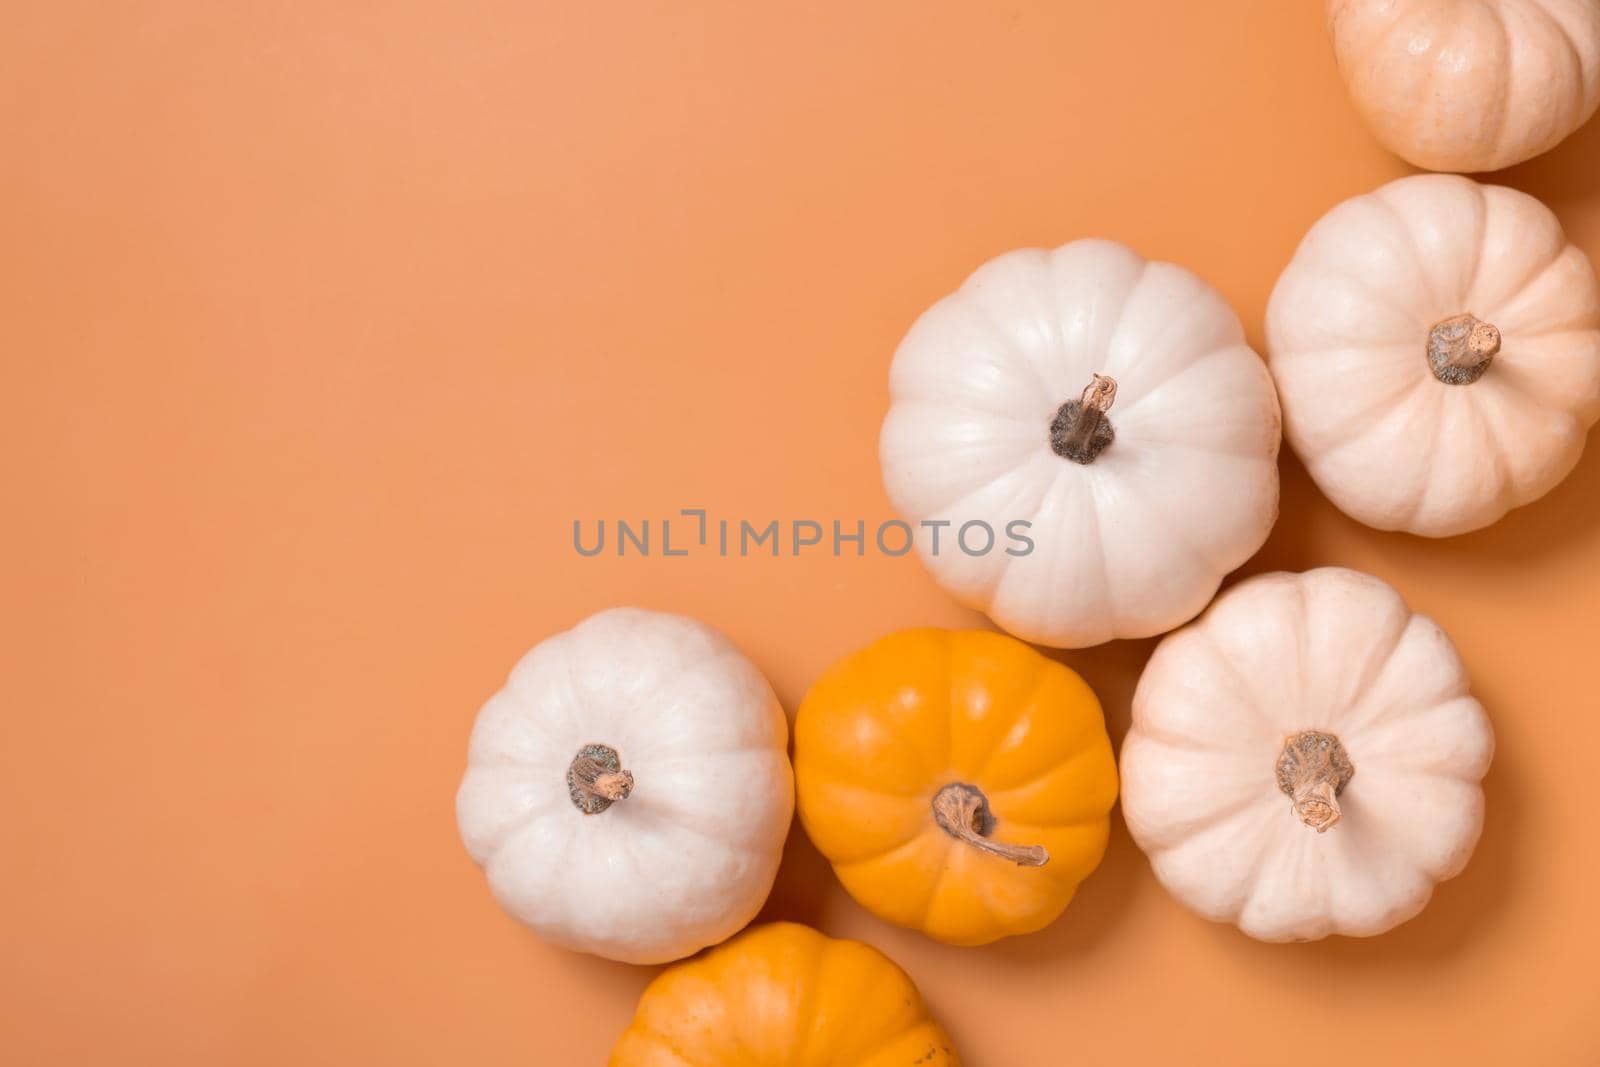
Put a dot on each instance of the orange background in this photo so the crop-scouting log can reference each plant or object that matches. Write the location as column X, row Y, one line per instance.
column 322, row 322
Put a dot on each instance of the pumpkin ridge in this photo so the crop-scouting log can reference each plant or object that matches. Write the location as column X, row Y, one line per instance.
column 1174, row 322
column 878, row 854
column 877, row 1049
column 1384, row 298
column 1292, row 864
column 1360, row 716
column 873, row 1047
column 1212, row 818
column 1402, row 224
column 1505, row 309
column 1044, row 292
column 835, row 780
column 1375, row 670
column 1502, row 108
column 1415, row 392
column 1511, row 310
column 961, row 507
column 926, row 910
column 495, row 841
column 1489, row 428
column 1109, row 337
column 878, row 857
column 979, row 762
column 1011, row 342
column 1571, row 48
column 1103, row 609
column 1225, row 657
column 947, row 406
column 1131, row 404
column 924, row 905
column 647, row 814
column 1161, row 733
column 661, row 1040
column 1180, row 533
column 1094, row 347
column 1066, row 768
column 1479, row 244
column 1010, row 568
column 1247, row 840
column 985, row 776
column 1431, row 485
column 943, row 315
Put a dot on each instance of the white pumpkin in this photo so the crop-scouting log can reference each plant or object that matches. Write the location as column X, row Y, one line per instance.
column 1436, row 345
column 1305, row 759
column 1469, row 85
column 1111, row 404
column 628, row 792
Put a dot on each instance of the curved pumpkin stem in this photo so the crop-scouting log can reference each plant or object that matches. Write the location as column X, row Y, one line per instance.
column 1080, row 431
column 962, row 811
column 596, row 780
column 1313, row 768
column 1461, row 347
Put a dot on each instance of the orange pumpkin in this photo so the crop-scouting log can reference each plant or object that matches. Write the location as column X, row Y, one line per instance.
column 783, row 995
column 960, row 783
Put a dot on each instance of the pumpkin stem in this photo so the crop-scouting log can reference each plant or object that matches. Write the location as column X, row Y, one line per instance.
column 1080, row 431
column 1460, row 348
column 962, row 811
column 596, row 780
column 1313, row 769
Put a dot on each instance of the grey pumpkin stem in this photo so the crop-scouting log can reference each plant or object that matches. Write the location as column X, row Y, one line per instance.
column 596, row 779
column 1081, row 430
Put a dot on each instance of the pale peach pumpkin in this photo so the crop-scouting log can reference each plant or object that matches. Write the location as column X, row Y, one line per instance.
column 1469, row 85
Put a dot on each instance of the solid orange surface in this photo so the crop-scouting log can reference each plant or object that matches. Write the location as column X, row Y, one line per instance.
column 321, row 323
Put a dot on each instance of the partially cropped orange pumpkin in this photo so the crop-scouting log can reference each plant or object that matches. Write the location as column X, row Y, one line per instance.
column 959, row 782
column 783, row 995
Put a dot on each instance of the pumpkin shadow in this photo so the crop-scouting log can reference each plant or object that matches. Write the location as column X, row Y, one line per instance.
column 1569, row 171
column 1568, row 515
column 1310, row 530
column 1295, row 543
column 805, row 882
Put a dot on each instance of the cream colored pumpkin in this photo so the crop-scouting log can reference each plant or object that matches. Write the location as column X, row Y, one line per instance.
column 1305, row 758
column 1436, row 345
column 1108, row 404
column 1469, row 85
column 628, row 792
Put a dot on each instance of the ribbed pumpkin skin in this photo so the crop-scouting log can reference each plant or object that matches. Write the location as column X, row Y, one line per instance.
column 783, row 995
column 885, row 729
column 1133, row 543
column 1469, row 85
column 1330, row 650
column 1348, row 326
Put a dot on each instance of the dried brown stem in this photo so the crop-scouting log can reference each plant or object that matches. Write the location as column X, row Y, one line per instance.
column 1081, row 431
column 1313, row 768
column 1461, row 348
column 596, row 780
column 962, row 811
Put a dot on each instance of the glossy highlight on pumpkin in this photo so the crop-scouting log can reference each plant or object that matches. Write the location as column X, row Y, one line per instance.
column 783, row 995
column 959, row 782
